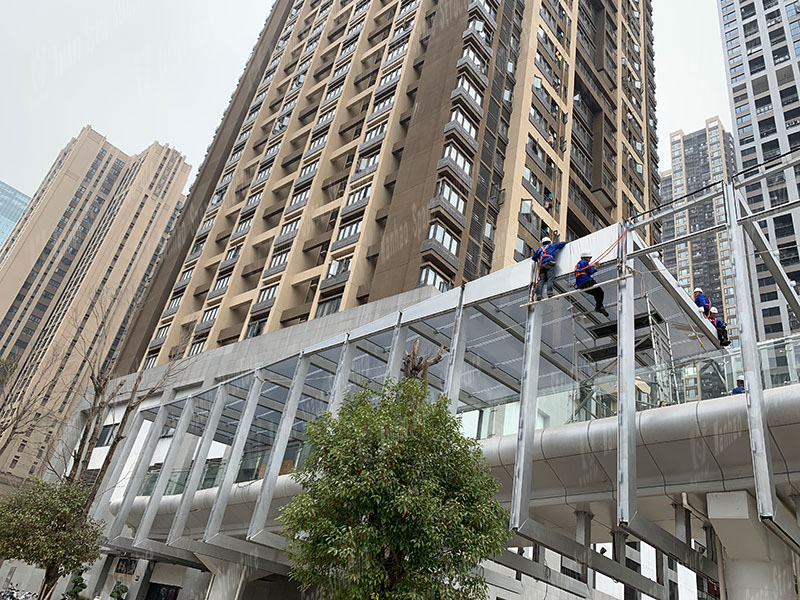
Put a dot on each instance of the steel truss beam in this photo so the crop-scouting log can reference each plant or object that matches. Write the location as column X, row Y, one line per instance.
column 537, row 533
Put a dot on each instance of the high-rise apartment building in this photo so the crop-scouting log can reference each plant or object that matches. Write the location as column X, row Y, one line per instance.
column 72, row 271
column 762, row 46
column 391, row 144
column 12, row 205
column 698, row 160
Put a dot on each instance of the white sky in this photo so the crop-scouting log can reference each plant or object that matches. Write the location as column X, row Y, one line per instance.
column 144, row 70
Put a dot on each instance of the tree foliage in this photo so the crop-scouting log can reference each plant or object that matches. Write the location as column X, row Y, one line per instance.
column 45, row 524
column 398, row 505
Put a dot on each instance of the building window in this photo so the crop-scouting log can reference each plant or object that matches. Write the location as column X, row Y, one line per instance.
column 106, row 436
column 197, row 347
column 162, row 331
column 446, row 190
column 244, row 225
column 150, row 361
column 255, row 328
column 454, row 154
column 175, row 302
column 209, row 315
column 349, row 230
column 328, row 307
column 375, row 132
column 267, row 293
column 309, row 169
column 358, row 195
column 186, row 274
column 234, row 252
column 222, row 282
column 207, row 223
column 429, row 276
column 367, row 161
column 438, row 232
column 290, row 227
column 281, row 258
column 299, row 197
column 340, row 265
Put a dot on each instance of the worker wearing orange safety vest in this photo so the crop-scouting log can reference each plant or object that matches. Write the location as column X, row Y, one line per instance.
column 583, row 281
column 546, row 257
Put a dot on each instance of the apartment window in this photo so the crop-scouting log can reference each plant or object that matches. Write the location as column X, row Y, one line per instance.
column 334, row 92
column 429, row 276
column 340, row 265
column 392, row 75
column 326, row 117
column 349, row 230
column 383, row 104
column 240, row 139
column 446, row 190
column 396, row 52
column 465, row 84
column 238, row 154
column 309, row 169
column 222, row 282
column 175, row 302
column 281, row 258
column 254, row 199
column 454, row 154
column 281, row 124
column 267, row 293
column 198, row 247
column 207, row 223
column 328, row 307
column 473, row 57
column 272, row 150
column 186, row 274
column 197, row 347
column 348, row 48
column 209, row 315
column 263, row 173
column 341, row 70
column 150, row 361
column 367, row 161
column 255, row 328
column 290, row 227
column 161, row 332
column 439, row 232
column 318, row 141
column 244, row 225
column 299, row 197
column 234, row 252
column 358, row 195
column 375, row 132
column 459, row 117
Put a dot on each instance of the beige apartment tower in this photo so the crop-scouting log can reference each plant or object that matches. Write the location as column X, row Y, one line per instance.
column 373, row 146
column 72, row 272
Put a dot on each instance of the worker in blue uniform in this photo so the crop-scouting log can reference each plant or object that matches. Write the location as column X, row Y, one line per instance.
column 546, row 258
column 583, row 281
column 701, row 300
column 719, row 325
column 739, row 389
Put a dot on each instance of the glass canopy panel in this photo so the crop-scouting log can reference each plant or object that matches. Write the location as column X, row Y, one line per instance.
column 370, row 356
column 433, row 333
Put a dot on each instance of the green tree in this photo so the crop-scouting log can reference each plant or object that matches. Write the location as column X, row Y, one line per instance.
column 398, row 504
column 45, row 524
column 119, row 592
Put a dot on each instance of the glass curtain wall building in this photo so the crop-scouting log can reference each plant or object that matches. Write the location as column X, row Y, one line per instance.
column 12, row 205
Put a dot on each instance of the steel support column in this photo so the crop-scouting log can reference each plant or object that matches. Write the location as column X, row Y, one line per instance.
column 143, row 530
column 139, row 472
column 394, row 365
column 760, row 448
column 342, row 377
column 626, row 387
column 455, row 362
column 198, row 465
column 259, row 519
column 528, row 411
column 583, row 535
column 231, row 468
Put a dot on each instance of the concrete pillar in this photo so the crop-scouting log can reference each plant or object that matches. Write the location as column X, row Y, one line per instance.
column 228, row 579
column 757, row 565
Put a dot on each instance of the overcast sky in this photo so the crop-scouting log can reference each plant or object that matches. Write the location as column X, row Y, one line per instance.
column 144, row 70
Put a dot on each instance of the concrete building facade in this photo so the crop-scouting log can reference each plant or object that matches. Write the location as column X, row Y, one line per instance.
column 762, row 46
column 73, row 270
column 386, row 145
column 12, row 205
